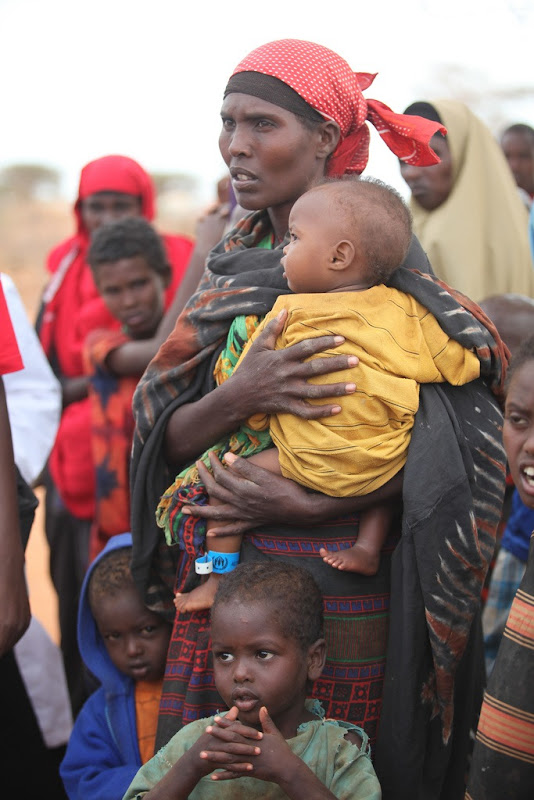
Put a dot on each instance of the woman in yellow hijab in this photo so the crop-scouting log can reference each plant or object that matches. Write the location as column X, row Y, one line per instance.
column 466, row 210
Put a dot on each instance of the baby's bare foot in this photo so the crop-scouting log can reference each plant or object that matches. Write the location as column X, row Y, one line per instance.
column 354, row 559
column 199, row 598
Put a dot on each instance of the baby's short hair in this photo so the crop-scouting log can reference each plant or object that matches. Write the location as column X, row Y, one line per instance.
column 377, row 216
column 290, row 591
column 127, row 238
column 111, row 575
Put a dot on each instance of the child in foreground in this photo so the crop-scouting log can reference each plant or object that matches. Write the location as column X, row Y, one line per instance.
column 347, row 237
column 503, row 755
column 268, row 647
column 124, row 645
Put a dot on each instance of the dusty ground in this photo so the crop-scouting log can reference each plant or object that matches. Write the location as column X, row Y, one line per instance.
column 27, row 232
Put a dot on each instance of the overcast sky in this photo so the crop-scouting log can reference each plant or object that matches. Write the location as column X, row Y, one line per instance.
column 84, row 78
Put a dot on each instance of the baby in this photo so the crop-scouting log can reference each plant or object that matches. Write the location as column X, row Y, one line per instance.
column 347, row 237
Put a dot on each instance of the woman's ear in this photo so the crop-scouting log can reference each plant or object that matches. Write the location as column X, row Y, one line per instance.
column 342, row 255
column 316, row 659
column 330, row 134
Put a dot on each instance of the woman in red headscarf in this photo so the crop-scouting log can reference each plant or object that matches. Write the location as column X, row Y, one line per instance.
column 110, row 188
column 293, row 112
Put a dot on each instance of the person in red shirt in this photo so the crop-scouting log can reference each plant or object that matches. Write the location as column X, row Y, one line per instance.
column 111, row 187
column 131, row 271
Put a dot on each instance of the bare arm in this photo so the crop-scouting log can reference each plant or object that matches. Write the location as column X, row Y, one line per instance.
column 74, row 389
column 15, row 616
column 268, row 381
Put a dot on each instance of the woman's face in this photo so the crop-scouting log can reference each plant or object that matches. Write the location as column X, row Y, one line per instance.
column 103, row 207
column 272, row 157
column 430, row 186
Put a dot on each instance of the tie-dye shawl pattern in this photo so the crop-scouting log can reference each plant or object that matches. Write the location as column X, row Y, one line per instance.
column 453, row 479
column 453, row 488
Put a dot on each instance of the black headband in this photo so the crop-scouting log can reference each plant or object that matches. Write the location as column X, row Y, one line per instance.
column 272, row 90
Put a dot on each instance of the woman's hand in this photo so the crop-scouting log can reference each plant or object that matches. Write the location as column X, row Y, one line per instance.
column 246, row 494
column 266, row 382
column 271, row 381
column 251, row 496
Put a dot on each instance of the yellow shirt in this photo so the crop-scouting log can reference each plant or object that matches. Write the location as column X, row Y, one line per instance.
column 400, row 345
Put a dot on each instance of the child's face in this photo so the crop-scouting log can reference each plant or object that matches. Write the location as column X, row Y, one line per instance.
column 308, row 255
column 133, row 293
column 256, row 665
column 518, row 431
column 136, row 639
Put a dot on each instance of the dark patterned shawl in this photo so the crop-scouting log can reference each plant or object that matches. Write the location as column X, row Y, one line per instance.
column 453, row 484
column 453, row 488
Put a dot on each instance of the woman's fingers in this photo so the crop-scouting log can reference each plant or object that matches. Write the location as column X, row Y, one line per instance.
column 218, row 485
column 246, row 492
column 267, row 338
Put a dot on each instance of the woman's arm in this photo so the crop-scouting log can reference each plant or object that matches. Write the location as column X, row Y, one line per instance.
column 246, row 493
column 268, row 381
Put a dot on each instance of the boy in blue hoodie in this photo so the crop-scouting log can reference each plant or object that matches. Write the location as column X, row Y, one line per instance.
column 124, row 645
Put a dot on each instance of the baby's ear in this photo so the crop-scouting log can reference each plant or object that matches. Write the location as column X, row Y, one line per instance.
column 316, row 659
column 343, row 254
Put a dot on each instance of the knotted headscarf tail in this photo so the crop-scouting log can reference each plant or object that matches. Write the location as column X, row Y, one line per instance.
column 326, row 82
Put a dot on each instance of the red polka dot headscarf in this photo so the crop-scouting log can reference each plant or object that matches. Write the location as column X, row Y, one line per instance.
column 326, row 82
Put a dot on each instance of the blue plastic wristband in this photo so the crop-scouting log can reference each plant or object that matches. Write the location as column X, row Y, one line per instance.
column 223, row 562
column 203, row 565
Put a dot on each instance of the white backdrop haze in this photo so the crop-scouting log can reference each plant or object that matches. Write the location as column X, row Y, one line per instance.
column 83, row 79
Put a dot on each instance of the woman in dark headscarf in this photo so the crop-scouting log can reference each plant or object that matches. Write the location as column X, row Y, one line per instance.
column 294, row 111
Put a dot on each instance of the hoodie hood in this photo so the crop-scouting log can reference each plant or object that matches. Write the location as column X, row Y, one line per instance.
column 92, row 647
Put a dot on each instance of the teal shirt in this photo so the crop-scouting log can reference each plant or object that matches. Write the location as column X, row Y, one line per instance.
column 343, row 767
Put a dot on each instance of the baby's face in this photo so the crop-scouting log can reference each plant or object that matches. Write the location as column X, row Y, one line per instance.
column 308, row 256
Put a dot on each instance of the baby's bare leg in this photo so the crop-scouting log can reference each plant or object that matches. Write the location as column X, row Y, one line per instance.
column 364, row 555
column 202, row 596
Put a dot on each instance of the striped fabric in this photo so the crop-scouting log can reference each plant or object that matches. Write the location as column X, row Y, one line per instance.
column 503, row 758
column 506, row 578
